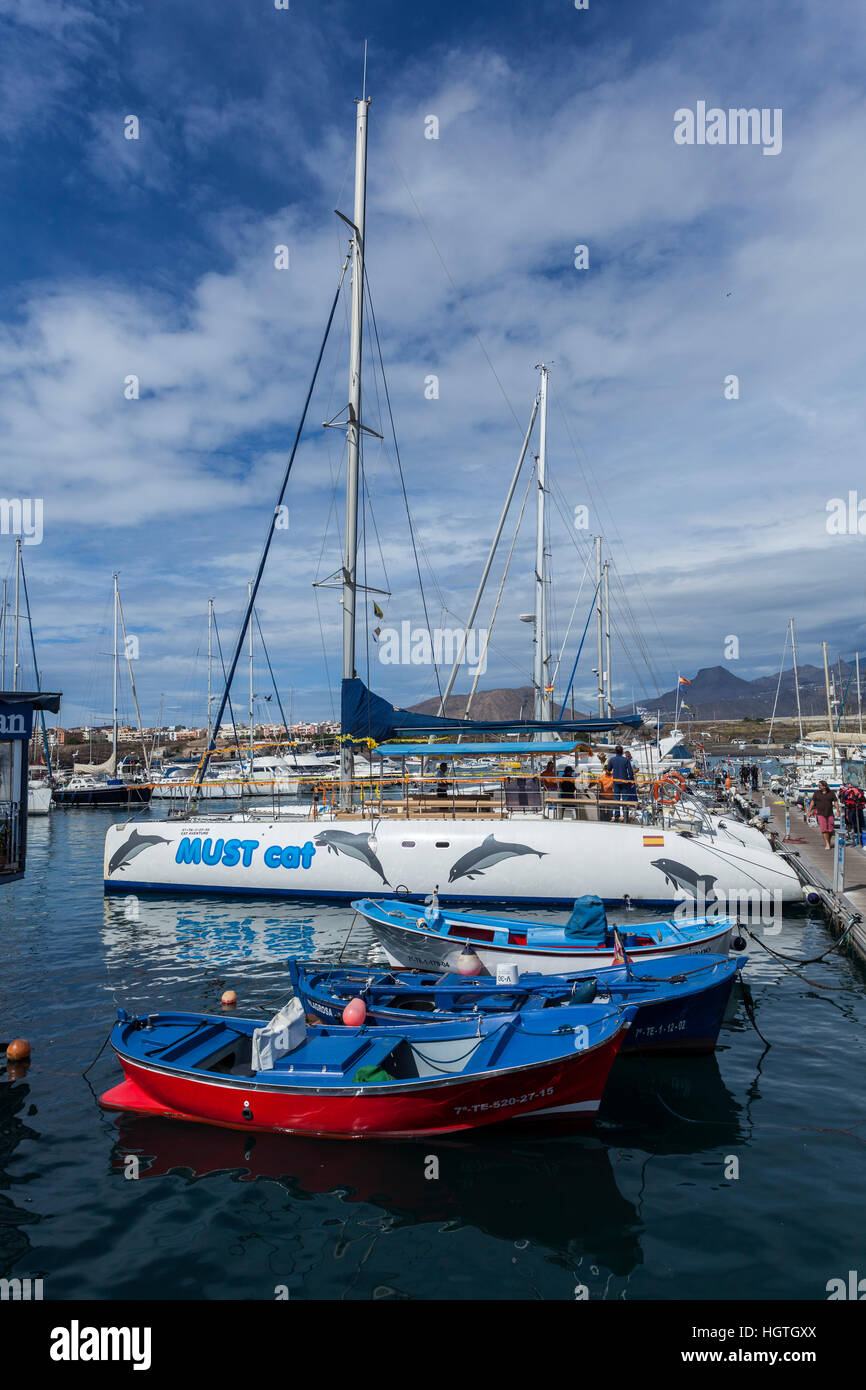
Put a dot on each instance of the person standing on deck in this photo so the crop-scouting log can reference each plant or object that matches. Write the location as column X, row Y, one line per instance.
column 822, row 806
column 623, row 781
column 548, row 776
column 567, row 792
column 605, row 793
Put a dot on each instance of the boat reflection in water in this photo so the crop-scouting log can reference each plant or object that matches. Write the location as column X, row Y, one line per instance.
column 557, row 1193
column 670, row 1105
column 210, row 932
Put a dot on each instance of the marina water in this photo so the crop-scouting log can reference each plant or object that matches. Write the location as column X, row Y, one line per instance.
column 732, row 1176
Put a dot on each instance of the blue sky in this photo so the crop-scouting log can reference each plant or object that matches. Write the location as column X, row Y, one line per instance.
column 155, row 258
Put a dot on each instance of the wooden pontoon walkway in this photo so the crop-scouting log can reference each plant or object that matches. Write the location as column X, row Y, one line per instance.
column 805, row 851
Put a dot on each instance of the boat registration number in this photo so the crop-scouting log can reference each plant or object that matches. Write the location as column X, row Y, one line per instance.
column 503, row 1104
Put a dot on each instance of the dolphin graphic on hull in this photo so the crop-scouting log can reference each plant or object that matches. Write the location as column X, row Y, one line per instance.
column 131, row 847
column 681, row 876
column 491, row 851
column 355, row 846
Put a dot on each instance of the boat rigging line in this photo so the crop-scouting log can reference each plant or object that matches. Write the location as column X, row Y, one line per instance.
column 254, row 587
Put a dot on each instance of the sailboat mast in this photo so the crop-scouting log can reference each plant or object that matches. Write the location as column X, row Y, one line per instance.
column 796, row 681
column 540, row 662
column 252, row 677
column 607, row 635
column 353, row 427
column 599, row 627
column 859, row 700
column 829, row 707
column 16, row 670
column 114, row 713
column 3, row 623
column 209, row 665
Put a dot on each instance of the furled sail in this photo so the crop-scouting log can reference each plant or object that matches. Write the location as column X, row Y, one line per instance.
column 366, row 715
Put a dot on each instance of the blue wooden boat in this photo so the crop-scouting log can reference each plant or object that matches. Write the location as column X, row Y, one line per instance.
column 432, row 938
column 680, row 1004
column 401, row 1082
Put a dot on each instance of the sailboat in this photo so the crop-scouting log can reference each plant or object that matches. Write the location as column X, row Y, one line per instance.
column 479, row 849
column 98, row 784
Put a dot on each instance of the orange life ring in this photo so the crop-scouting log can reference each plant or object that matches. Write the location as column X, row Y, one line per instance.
column 675, row 773
column 667, row 784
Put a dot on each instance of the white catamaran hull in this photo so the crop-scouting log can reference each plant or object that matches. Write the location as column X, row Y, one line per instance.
column 526, row 859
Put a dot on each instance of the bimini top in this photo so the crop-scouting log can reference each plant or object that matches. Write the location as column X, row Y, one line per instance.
column 462, row 750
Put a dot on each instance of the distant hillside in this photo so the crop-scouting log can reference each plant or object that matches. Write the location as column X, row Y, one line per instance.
column 490, row 704
column 716, row 693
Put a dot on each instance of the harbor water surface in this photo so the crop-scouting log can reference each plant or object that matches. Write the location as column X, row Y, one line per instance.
column 735, row 1176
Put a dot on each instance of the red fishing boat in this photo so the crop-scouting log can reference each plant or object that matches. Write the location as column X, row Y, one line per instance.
column 351, row 1082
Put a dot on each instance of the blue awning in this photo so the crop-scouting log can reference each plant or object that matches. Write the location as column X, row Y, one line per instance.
column 462, row 750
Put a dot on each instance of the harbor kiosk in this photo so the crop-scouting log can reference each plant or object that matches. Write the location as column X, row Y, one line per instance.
column 16, row 727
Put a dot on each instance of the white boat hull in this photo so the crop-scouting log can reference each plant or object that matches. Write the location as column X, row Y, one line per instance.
column 523, row 860
column 409, row 949
column 38, row 799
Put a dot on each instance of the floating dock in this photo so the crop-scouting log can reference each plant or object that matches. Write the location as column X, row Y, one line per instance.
column 806, row 854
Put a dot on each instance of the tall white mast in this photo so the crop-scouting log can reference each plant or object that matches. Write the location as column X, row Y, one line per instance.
column 3, row 622
column 209, row 665
column 607, row 636
column 796, row 680
column 542, row 700
column 829, row 707
column 252, row 678
column 114, row 713
column 859, row 700
column 599, row 627
column 16, row 670
column 353, row 427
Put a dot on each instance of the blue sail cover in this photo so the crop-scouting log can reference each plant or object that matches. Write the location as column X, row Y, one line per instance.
column 365, row 715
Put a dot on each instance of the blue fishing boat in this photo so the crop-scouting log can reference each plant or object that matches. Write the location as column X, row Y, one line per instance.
column 680, row 1004
column 401, row 1082
column 432, row 938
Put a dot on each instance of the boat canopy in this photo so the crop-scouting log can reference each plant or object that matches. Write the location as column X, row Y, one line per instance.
column 462, row 750
column 365, row 715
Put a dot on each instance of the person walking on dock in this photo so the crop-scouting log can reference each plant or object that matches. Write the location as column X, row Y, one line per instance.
column 822, row 806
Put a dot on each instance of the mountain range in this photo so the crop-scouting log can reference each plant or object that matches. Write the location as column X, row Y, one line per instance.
column 714, row 693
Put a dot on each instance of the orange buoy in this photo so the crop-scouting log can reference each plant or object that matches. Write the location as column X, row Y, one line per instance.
column 18, row 1050
column 355, row 1013
column 229, row 999
column 670, row 786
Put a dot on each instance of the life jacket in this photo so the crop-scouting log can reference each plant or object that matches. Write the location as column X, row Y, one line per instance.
column 606, row 784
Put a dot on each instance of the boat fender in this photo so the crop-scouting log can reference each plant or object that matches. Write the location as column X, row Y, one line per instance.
column 506, row 973
column 18, row 1050
column 355, row 1013
column 468, row 962
column 810, row 895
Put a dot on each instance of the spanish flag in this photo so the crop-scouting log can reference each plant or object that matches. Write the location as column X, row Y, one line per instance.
column 619, row 954
column 681, row 680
